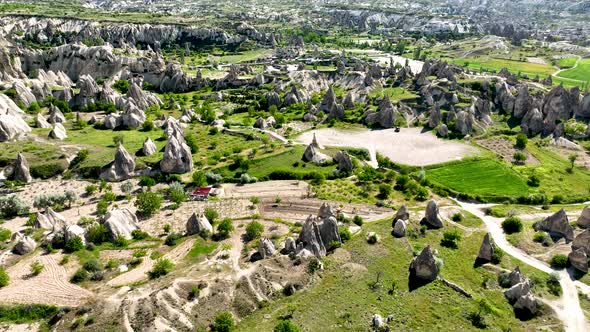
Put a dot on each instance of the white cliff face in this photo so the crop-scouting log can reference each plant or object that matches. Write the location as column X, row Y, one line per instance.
column 12, row 125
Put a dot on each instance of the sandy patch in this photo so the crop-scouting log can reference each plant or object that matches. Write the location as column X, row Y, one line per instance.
column 410, row 146
column 52, row 286
column 287, row 188
column 506, row 150
column 536, row 60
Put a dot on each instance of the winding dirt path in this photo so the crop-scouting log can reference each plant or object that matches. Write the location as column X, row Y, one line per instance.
column 568, row 307
column 556, row 74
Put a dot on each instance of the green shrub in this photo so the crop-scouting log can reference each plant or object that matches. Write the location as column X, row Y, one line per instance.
column 224, row 322
column 345, row 234
column 80, row 276
column 37, row 268
column 512, row 225
column 176, row 193
column 74, row 244
column 4, row 278
column 120, row 242
column 211, row 214
column 199, row 179
column 553, row 284
column 451, row 238
column 92, row 265
column 254, row 230
column 358, row 220
column 521, row 141
column 559, row 261
column 4, row 234
column 26, row 313
column 161, row 268
column 12, row 206
column 457, row 217
column 497, row 256
column 138, row 234
column 534, row 181
column 148, row 204
column 225, row 228
column 172, row 239
column 47, row 170
column 97, row 234
column 286, row 326
column 122, row 86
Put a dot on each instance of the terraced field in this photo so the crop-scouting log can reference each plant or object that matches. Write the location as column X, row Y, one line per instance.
column 479, row 177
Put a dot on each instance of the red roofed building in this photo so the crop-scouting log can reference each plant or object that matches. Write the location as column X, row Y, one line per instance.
column 201, row 194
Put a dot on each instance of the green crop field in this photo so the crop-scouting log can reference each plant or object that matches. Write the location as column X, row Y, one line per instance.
column 488, row 63
column 342, row 299
column 479, row 177
column 567, row 62
column 580, row 73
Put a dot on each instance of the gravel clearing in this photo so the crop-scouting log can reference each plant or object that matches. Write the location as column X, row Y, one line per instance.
column 410, row 146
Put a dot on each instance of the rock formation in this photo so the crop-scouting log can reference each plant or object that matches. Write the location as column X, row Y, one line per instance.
column 24, row 244
column 385, row 116
column 74, row 231
column 197, row 224
column 579, row 260
column 399, row 228
column 50, row 220
column 557, row 225
column 58, row 132
column 584, row 219
column 122, row 168
column 290, row 245
column 401, row 214
column 312, row 154
column 344, row 162
column 177, row 157
column 120, row 223
column 55, row 115
column 319, row 233
column 266, row 248
column 40, row 122
column 486, row 250
column 582, row 241
column 423, row 266
column 12, row 125
column 431, row 219
column 149, row 147
column 21, row 169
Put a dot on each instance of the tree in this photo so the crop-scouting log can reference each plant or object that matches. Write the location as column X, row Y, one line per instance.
column 521, row 141
column 384, row 191
column 225, row 228
column 148, row 203
column 70, row 197
column 224, row 322
column 559, row 261
column 519, row 157
column 74, row 244
column 176, row 193
column 512, row 225
column 254, row 230
column 572, row 158
column 199, row 179
column 286, row 326
column 146, row 181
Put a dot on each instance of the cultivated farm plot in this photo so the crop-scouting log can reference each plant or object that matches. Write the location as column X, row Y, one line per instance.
column 479, row 177
column 579, row 73
column 272, row 189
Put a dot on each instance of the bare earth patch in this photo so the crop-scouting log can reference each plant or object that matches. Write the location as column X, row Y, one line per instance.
column 52, row 286
column 506, row 149
column 410, row 146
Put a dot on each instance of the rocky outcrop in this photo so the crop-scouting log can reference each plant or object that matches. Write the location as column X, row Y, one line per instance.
column 23, row 93
column 442, row 130
column 149, row 147
column 131, row 118
column 434, row 117
column 557, row 225
column 120, row 223
column 319, row 234
column 177, row 157
column 266, row 248
column 21, row 169
column 344, row 162
column 198, row 224
column 486, row 250
column 272, row 99
column 12, row 125
column 348, row 102
column 523, row 102
column 399, row 228
column 89, row 91
column 74, row 231
column 290, row 245
column 582, row 241
column 50, row 220
column 517, row 291
column 24, row 244
column 55, row 115
column 515, row 277
column 559, row 104
column 122, row 168
column 532, row 122
column 40, row 122
column 579, row 260
column 431, row 218
column 504, row 98
column 142, row 99
column 464, row 123
column 58, row 132
column 402, row 214
column 385, row 116
column 584, row 219
column 423, row 267
column 312, row 154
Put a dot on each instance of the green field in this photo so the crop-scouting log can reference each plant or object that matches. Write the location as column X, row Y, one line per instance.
column 341, row 300
column 496, row 64
column 287, row 161
column 479, row 177
column 580, row 73
column 567, row 62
